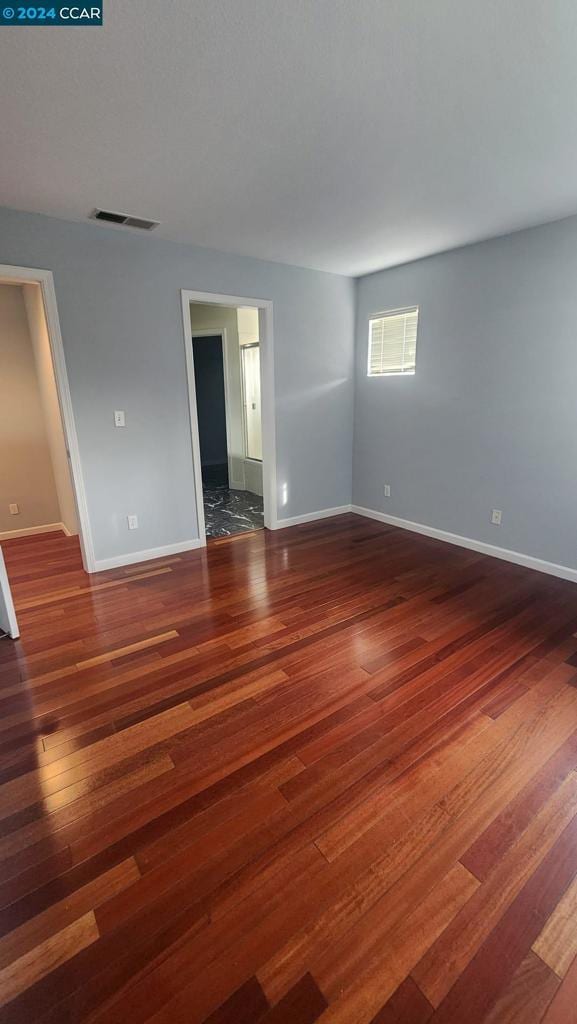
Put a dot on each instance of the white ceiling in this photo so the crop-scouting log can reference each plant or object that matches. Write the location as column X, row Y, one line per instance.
column 346, row 135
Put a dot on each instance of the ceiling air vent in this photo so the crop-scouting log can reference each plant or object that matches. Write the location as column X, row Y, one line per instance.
column 124, row 219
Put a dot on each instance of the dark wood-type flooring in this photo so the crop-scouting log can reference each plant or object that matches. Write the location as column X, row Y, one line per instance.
column 324, row 774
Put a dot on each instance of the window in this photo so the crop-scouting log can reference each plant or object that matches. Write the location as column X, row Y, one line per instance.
column 393, row 342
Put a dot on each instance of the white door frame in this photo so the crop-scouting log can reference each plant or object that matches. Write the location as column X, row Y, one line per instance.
column 28, row 275
column 265, row 308
column 8, row 620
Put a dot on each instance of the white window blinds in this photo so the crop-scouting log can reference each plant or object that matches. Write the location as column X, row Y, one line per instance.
column 393, row 342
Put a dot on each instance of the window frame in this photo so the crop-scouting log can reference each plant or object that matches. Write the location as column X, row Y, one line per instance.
column 381, row 316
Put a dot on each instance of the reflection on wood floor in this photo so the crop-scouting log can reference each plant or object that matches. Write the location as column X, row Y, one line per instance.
column 326, row 773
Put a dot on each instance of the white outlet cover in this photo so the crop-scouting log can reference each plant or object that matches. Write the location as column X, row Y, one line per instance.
column 119, row 418
column 132, row 522
column 496, row 516
column 387, row 490
column 14, row 509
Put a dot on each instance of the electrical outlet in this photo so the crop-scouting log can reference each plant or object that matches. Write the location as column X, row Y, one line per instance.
column 132, row 522
column 14, row 509
column 119, row 418
column 496, row 516
column 387, row 491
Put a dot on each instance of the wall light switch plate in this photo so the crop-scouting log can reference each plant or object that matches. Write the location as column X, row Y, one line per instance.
column 496, row 515
column 13, row 509
column 119, row 418
column 132, row 522
column 387, row 490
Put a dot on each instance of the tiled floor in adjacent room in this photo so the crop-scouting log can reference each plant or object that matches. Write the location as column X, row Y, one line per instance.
column 227, row 511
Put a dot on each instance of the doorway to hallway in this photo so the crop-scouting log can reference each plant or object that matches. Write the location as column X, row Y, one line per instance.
column 232, row 490
column 241, row 323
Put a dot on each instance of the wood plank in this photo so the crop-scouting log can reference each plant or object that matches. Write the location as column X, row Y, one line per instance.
column 557, row 943
column 245, row 1006
column 563, row 1008
column 492, row 968
column 41, row 928
column 284, row 968
column 491, row 845
column 261, row 828
column 26, row 790
column 526, row 999
column 121, row 652
column 446, row 960
column 46, row 957
column 303, row 1004
column 391, row 961
column 407, row 1005
column 496, row 707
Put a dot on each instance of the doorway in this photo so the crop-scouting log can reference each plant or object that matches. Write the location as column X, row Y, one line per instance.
column 41, row 488
column 229, row 363
column 226, row 359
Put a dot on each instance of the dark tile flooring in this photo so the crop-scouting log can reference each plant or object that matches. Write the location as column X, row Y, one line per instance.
column 227, row 511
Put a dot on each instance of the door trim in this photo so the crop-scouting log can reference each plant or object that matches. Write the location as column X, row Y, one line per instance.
column 6, row 598
column 265, row 308
column 29, row 275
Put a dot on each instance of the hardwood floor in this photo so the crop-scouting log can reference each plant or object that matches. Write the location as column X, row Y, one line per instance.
column 325, row 774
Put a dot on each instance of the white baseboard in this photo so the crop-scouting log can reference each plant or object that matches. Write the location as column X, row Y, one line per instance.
column 31, row 531
column 118, row 561
column 517, row 557
column 311, row 517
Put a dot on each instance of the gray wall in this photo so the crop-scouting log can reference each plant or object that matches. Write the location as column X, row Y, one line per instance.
column 490, row 418
column 118, row 296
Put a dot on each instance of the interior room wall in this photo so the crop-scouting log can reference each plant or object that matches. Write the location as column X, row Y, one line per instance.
column 26, row 478
column 206, row 317
column 118, row 295
column 210, row 402
column 253, row 477
column 489, row 420
column 50, row 406
column 247, row 318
